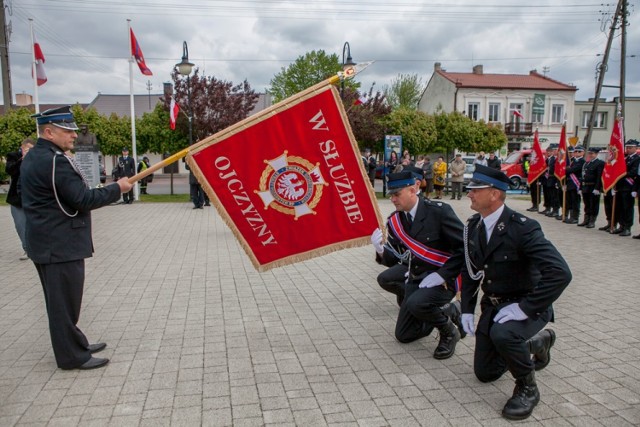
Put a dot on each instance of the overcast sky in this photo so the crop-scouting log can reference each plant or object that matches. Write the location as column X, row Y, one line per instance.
column 85, row 42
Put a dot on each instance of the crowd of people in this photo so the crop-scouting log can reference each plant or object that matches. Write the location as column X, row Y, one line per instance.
column 583, row 185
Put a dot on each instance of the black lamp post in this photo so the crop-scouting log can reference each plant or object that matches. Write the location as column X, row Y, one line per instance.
column 184, row 68
column 345, row 65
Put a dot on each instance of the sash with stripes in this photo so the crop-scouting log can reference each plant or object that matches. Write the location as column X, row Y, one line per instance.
column 629, row 180
column 420, row 250
column 575, row 180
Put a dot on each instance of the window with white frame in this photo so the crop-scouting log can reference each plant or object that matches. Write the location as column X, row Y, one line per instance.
column 494, row 112
column 600, row 122
column 537, row 117
column 557, row 113
column 473, row 110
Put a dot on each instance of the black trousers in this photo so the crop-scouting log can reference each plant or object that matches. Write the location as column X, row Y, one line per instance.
column 608, row 205
column 591, row 202
column 624, row 209
column 128, row 196
column 572, row 206
column 534, row 192
column 63, row 285
column 393, row 278
column 197, row 195
column 421, row 311
column 504, row 347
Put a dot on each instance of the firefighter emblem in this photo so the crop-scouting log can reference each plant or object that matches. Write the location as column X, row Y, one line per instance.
column 291, row 185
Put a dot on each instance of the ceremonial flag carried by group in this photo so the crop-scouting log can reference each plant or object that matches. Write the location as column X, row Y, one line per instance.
column 560, row 169
column 615, row 167
column 290, row 183
column 537, row 164
column 174, row 109
column 136, row 52
column 41, row 76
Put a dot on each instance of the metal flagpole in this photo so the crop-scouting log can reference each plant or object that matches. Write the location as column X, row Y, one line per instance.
column 34, row 73
column 133, row 113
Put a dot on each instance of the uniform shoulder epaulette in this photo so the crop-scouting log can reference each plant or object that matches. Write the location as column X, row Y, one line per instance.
column 429, row 202
column 519, row 218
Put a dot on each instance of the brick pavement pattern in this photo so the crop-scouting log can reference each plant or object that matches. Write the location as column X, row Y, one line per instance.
column 197, row 337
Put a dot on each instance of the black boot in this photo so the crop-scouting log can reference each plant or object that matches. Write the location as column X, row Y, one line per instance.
column 449, row 336
column 585, row 221
column 452, row 311
column 606, row 227
column 525, row 397
column 592, row 222
column 540, row 346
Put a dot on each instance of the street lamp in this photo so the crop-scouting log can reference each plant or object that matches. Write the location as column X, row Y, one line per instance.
column 345, row 65
column 184, row 68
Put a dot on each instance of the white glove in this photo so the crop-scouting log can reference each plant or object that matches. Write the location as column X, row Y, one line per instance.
column 613, row 192
column 596, row 193
column 564, row 188
column 634, row 194
column 431, row 281
column 510, row 312
column 376, row 240
column 468, row 324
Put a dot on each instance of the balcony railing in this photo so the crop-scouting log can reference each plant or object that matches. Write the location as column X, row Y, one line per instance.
column 518, row 129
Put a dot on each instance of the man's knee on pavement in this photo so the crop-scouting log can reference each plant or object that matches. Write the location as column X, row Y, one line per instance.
column 486, row 377
column 502, row 334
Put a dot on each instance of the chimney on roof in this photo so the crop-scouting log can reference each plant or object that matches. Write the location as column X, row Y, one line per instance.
column 168, row 89
column 477, row 69
column 533, row 72
column 437, row 67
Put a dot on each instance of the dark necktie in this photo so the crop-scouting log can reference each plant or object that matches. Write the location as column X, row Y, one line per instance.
column 482, row 236
column 409, row 219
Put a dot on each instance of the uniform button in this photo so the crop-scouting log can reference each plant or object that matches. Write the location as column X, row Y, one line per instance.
column 489, row 282
column 486, row 266
column 505, row 257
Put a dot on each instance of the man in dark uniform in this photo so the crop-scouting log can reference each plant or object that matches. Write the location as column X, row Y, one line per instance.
column 635, row 191
column 126, row 168
column 370, row 165
column 14, row 195
column 545, row 179
column 57, row 202
column 521, row 274
column 551, row 184
column 591, row 187
column 424, row 251
column 624, row 187
column 573, row 174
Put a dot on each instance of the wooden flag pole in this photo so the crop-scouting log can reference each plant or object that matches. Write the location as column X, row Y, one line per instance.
column 348, row 73
column 166, row 162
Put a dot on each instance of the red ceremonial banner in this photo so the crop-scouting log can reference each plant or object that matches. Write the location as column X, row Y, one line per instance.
column 615, row 167
column 289, row 181
column 560, row 170
column 537, row 164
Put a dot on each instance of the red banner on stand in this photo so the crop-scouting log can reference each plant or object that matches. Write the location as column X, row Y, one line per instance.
column 289, row 181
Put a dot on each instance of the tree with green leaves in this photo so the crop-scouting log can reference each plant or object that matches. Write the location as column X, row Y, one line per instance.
column 457, row 131
column 15, row 126
column 307, row 70
column 418, row 129
column 366, row 117
column 405, row 91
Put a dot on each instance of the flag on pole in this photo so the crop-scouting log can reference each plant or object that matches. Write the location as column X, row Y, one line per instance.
column 136, row 52
column 615, row 167
column 289, row 182
column 537, row 165
column 41, row 76
column 361, row 100
column 560, row 169
column 518, row 114
column 174, row 109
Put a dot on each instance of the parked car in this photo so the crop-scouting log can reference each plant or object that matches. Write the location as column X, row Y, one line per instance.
column 513, row 167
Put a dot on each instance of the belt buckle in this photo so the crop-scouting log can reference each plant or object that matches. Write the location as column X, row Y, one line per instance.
column 495, row 301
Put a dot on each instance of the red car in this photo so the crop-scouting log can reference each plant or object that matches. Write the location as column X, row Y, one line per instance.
column 513, row 167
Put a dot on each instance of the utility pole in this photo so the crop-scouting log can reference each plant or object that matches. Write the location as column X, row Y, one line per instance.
column 4, row 60
column 623, row 55
column 149, row 87
column 602, row 69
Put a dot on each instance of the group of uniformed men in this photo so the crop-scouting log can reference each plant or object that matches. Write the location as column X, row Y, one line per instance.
column 583, row 181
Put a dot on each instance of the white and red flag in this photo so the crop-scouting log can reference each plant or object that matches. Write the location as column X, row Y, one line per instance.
column 615, row 167
column 361, row 100
column 136, row 52
column 174, row 109
column 289, row 181
column 38, row 56
column 537, row 164
column 517, row 113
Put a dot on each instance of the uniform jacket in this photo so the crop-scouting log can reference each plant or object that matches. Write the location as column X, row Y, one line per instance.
column 592, row 175
column 457, row 170
column 51, row 235
column 436, row 226
column 550, row 179
column 627, row 182
column 518, row 262
column 126, row 167
column 575, row 169
column 14, row 161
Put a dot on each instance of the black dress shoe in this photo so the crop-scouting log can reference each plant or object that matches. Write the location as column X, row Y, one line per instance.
column 94, row 348
column 532, row 209
column 92, row 363
column 636, row 237
column 626, row 232
column 617, row 230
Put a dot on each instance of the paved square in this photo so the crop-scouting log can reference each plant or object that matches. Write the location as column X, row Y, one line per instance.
column 197, row 337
